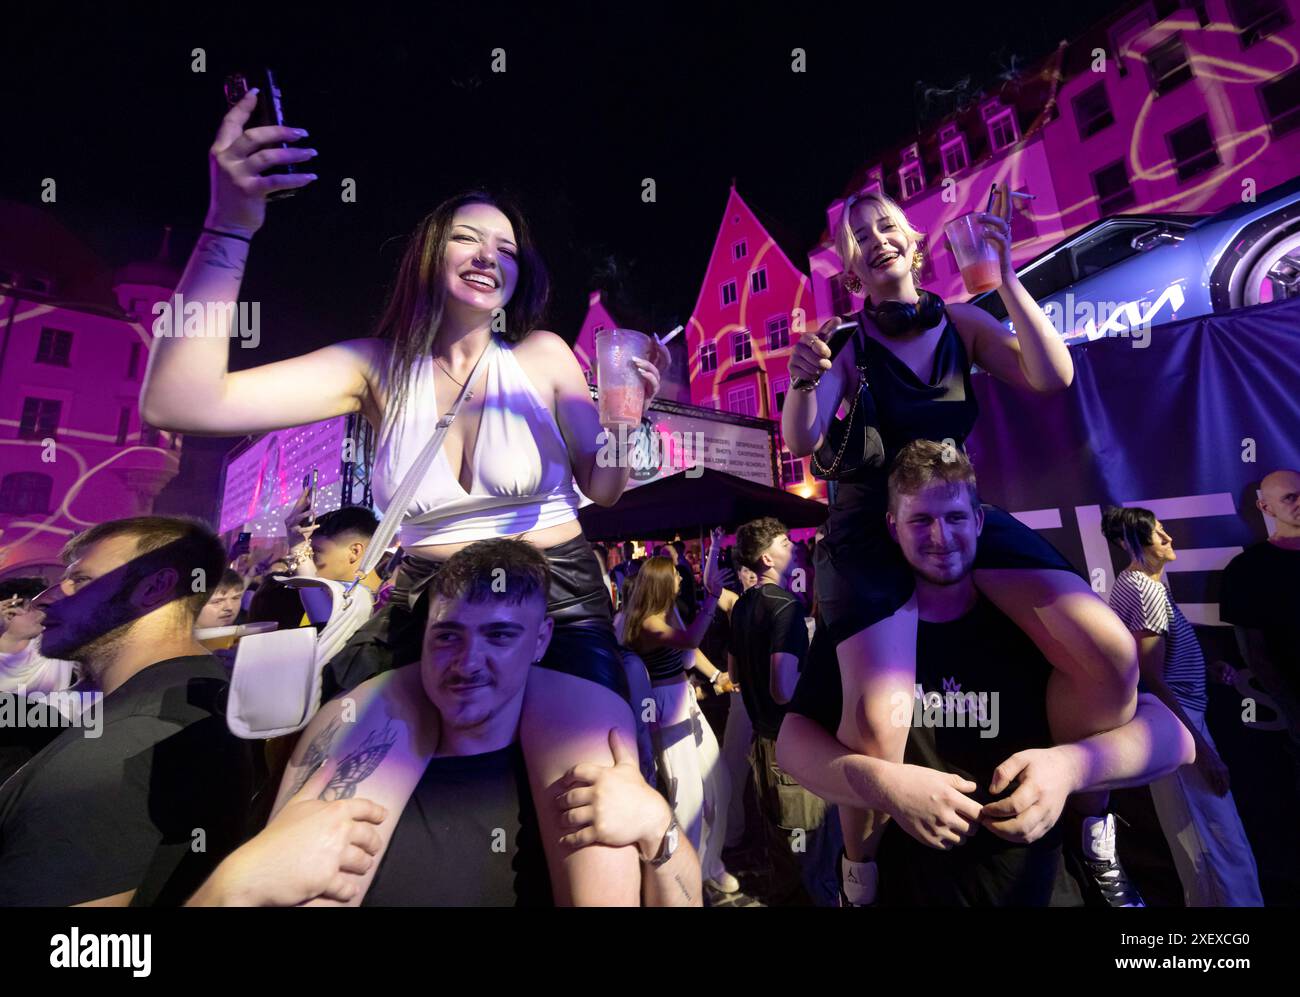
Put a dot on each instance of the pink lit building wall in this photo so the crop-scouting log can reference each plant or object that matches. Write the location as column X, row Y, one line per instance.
column 753, row 305
column 1163, row 107
column 74, row 342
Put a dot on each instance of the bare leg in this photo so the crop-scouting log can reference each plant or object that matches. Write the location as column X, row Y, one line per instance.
column 1094, row 686
column 876, row 666
column 566, row 721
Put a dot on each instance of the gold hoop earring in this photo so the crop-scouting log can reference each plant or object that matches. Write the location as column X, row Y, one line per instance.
column 852, row 283
column 918, row 261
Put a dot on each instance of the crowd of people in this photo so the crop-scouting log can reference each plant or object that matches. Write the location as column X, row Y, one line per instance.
column 927, row 705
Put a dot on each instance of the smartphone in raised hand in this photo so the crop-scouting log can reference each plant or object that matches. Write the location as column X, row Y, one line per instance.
column 267, row 112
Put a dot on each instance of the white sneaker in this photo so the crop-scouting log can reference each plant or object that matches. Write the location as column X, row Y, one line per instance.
column 859, row 882
column 1106, row 877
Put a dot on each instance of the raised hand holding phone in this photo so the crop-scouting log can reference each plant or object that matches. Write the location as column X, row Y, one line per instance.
column 237, row 162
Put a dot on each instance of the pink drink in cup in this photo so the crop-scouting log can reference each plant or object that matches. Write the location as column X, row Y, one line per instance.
column 977, row 257
column 618, row 385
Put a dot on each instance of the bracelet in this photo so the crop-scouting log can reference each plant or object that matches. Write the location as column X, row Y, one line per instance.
column 716, row 677
column 228, row 235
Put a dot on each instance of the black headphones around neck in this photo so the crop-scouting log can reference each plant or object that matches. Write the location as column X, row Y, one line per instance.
column 895, row 318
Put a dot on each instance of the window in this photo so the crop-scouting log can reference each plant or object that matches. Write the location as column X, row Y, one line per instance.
column 1110, row 245
column 909, row 177
column 1281, row 100
column 728, row 293
column 758, row 281
column 841, row 300
column 40, row 418
column 25, row 493
column 1113, row 190
column 55, row 347
column 954, row 155
column 133, row 365
column 743, row 400
column 1167, row 64
column 778, row 332
column 742, row 348
column 739, row 250
column 1192, row 148
column 1001, row 122
column 123, row 425
column 1256, row 19
column 780, row 388
column 791, row 469
column 708, row 358
column 1092, row 110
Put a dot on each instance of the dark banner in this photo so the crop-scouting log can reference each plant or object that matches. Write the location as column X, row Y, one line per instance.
column 1186, row 426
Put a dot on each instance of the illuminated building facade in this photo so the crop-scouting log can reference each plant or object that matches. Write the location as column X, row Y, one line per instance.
column 1163, row 107
column 74, row 343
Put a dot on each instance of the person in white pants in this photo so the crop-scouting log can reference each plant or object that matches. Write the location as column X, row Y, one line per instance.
column 697, row 786
column 1194, row 803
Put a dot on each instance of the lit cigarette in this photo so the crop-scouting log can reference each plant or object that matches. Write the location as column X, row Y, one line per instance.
column 1027, row 197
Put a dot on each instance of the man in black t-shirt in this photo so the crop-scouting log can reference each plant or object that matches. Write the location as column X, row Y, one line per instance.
column 1261, row 593
column 769, row 640
column 436, row 743
column 975, row 802
column 140, row 800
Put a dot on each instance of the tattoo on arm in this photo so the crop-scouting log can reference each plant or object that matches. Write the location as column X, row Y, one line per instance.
column 358, row 765
column 682, row 886
column 317, row 751
column 214, row 252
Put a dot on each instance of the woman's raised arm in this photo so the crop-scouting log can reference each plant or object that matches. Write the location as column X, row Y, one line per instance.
column 187, row 386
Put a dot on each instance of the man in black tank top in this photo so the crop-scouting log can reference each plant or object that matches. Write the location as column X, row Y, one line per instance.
column 975, row 802
column 466, row 832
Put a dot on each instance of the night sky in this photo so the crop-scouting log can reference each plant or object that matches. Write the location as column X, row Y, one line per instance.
column 592, row 102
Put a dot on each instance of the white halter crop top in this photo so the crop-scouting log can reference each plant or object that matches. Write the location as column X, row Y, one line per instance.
column 520, row 480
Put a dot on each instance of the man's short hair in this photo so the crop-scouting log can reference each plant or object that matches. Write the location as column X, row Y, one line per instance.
column 511, row 570
column 25, row 588
column 351, row 520
column 754, row 538
column 922, row 462
column 192, row 546
column 230, row 578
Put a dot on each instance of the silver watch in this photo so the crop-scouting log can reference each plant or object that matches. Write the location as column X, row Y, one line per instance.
column 668, row 846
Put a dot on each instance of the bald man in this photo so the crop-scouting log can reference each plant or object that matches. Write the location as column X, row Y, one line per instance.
column 1261, row 596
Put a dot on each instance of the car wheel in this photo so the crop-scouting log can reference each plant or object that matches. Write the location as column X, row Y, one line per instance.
column 1275, row 275
column 1263, row 265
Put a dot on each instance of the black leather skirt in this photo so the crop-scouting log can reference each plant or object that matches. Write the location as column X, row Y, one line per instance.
column 582, row 643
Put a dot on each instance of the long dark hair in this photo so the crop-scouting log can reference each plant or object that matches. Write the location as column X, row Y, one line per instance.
column 415, row 306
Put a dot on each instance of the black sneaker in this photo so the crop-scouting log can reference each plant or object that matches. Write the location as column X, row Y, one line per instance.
column 1103, row 875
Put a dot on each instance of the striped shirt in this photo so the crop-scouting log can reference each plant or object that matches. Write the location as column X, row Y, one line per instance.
column 1144, row 604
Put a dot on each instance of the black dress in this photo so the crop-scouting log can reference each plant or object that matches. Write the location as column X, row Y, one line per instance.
column 861, row 577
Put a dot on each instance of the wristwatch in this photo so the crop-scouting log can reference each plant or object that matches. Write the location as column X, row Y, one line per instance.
column 667, row 847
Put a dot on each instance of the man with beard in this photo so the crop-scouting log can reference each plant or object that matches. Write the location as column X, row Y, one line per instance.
column 140, row 809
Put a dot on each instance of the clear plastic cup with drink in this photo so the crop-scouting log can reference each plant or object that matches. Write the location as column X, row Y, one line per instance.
column 618, row 384
column 977, row 256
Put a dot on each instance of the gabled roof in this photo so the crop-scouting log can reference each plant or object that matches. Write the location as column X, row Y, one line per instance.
column 788, row 245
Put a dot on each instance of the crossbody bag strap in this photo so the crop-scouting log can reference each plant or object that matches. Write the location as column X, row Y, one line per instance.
column 401, row 500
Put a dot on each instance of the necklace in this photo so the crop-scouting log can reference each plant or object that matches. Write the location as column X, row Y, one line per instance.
column 459, row 384
column 447, row 372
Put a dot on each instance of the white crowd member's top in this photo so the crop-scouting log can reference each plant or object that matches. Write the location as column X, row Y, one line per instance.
column 28, row 671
